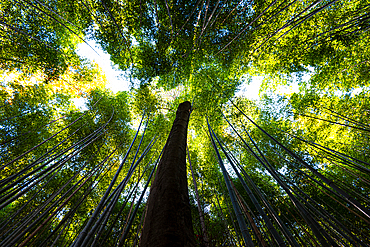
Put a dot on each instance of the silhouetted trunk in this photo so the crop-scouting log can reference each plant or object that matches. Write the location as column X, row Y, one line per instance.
column 168, row 219
column 201, row 217
column 250, row 219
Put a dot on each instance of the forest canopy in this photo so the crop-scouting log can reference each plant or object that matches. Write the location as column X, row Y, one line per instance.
column 284, row 170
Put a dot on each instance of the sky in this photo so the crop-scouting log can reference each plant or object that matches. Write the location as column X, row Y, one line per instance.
column 116, row 82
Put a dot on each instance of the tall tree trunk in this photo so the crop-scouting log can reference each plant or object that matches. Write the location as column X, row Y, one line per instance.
column 250, row 219
column 204, row 231
column 168, row 220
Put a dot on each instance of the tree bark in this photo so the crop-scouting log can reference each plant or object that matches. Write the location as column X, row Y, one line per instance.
column 168, row 221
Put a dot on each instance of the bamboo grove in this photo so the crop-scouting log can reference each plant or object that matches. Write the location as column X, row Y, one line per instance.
column 291, row 169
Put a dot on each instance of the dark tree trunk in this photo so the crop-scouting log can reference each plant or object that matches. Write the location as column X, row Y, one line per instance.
column 168, row 220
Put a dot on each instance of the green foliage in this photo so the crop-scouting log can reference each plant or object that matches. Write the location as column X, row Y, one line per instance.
column 198, row 51
column 41, row 36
